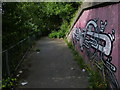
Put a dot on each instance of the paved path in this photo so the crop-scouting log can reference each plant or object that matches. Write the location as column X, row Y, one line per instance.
column 52, row 67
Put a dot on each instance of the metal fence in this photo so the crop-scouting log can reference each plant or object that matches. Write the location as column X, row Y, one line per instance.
column 12, row 57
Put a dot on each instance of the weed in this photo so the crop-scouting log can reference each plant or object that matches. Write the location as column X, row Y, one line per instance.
column 8, row 82
column 95, row 80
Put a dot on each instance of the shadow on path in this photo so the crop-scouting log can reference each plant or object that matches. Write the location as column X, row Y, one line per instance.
column 52, row 67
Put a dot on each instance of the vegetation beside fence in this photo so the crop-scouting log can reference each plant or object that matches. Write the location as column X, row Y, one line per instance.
column 23, row 22
column 24, row 18
column 67, row 20
column 12, row 59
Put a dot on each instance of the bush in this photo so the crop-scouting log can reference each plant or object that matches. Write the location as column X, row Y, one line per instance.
column 63, row 29
column 54, row 34
column 61, row 32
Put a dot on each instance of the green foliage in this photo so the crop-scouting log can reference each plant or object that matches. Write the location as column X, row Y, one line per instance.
column 95, row 79
column 66, row 13
column 8, row 82
column 63, row 30
column 20, row 19
column 60, row 33
column 23, row 19
column 54, row 34
column 64, row 10
column 69, row 44
column 76, row 56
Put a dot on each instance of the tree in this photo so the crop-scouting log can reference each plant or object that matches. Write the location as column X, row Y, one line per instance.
column 20, row 19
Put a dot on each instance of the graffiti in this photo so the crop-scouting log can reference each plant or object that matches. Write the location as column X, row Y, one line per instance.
column 97, row 44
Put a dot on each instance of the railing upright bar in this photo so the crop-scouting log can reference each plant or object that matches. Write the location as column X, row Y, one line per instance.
column 7, row 63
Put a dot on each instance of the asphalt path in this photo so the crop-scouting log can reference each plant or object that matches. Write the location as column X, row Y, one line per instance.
column 52, row 67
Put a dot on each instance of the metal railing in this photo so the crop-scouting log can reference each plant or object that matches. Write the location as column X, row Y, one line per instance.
column 13, row 56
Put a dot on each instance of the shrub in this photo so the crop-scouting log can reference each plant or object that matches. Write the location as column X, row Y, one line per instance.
column 54, row 34
column 63, row 29
column 61, row 32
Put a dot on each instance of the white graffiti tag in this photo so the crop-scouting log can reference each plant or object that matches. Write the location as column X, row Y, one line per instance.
column 94, row 37
column 96, row 42
column 90, row 36
column 78, row 35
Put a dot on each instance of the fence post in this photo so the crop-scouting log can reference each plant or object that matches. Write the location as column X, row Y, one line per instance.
column 7, row 64
column 29, row 42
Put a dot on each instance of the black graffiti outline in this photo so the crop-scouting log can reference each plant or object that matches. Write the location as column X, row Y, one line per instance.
column 102, row 33
column 99, row 30
column 77, row 38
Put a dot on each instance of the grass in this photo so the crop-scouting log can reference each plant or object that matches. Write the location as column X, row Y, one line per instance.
column 95, row 79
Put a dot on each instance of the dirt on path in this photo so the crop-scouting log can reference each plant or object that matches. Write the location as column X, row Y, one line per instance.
column 52, row 67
